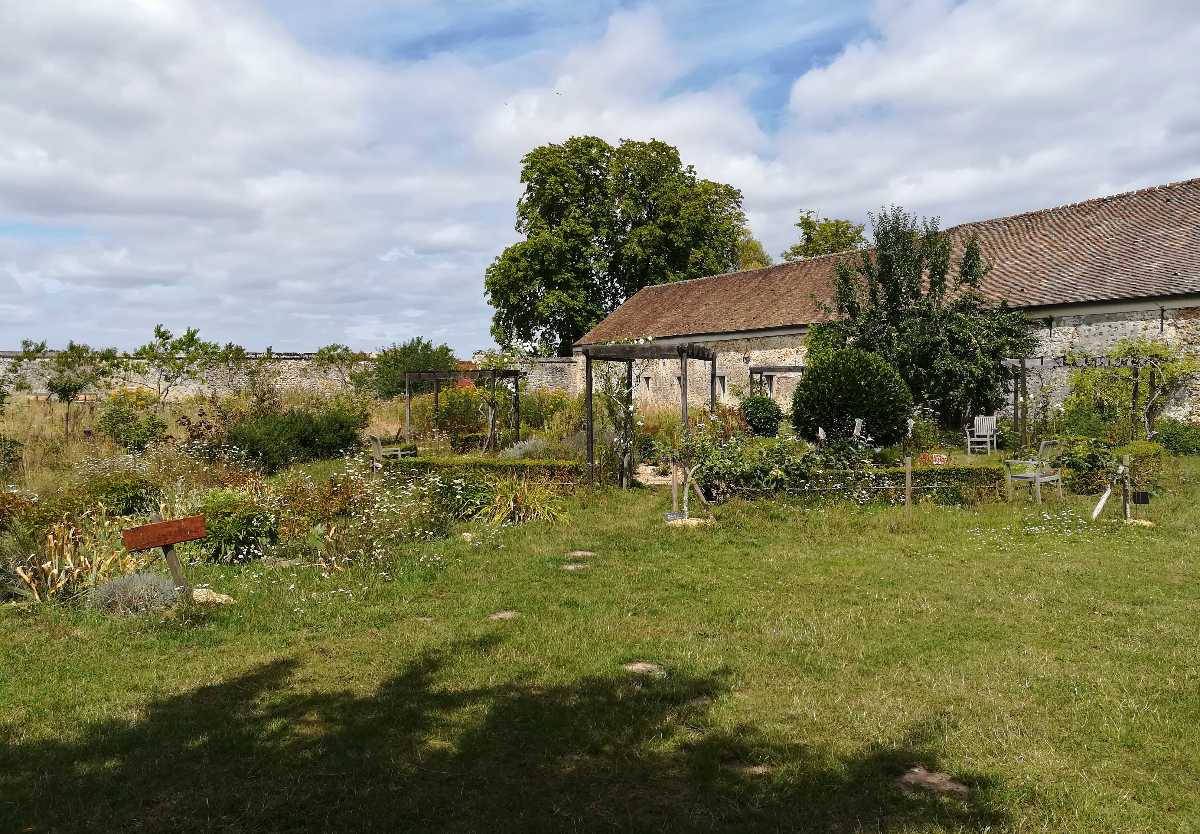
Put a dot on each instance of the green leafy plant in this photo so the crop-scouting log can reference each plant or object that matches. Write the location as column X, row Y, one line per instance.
column 1179, row 437
column 762, row 414
column 239, row 525
column 10, row 456
column 275, row 440
column 386, row 373
column 128, row 417
column 902, row 300
column 1088, row 463
column 121, row 484
column 852, row 384
column 169, row 360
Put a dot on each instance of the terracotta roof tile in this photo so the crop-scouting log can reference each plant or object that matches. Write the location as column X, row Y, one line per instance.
column 1137, row 245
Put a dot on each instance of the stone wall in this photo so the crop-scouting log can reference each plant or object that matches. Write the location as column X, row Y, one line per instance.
column 295, row 372
column 1097, row 334
column 655, row 381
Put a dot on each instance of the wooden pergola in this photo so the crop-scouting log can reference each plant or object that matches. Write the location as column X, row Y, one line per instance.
column 437, row 377
column 772, row 370
column 628, row 354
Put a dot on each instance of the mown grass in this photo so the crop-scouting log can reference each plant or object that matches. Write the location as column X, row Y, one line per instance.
column 812, row 655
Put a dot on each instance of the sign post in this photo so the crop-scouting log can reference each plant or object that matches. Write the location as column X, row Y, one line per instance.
column 167, row 534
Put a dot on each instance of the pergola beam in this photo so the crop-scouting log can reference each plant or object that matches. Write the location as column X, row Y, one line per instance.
column 647, row 350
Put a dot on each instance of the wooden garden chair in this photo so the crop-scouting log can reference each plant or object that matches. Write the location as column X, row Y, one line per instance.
column 380, row 455
column 1034, row 472
column 981, row 437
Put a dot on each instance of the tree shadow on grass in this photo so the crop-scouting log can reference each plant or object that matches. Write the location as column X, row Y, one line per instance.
column 258, row 753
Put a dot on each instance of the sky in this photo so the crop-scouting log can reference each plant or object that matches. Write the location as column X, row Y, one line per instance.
column 295, row 173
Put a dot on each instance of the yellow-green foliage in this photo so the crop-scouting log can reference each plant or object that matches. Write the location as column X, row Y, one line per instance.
column 1102, row 402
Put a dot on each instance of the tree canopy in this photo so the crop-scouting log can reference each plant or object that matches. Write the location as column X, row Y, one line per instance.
column 904, row 301
column 824, row 236
column 169, row 360
column 751, row 254
column 417, row 354
column 601, row 222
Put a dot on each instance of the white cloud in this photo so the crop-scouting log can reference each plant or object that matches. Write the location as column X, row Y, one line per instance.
column 979, row 109
column 191, row 162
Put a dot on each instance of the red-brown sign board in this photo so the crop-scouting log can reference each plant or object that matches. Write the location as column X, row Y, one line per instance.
column 162, row 533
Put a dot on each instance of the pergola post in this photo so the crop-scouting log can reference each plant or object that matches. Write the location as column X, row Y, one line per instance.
column 516, row 400
column 587, row 399
column 712, row 386
column 627, row 463
column 683, row 386
column 407, row 408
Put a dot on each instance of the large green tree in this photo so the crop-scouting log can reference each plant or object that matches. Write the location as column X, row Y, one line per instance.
column 751, row 254
column 824, row 236
column 911, row 301
column 601, row 222
column 386, row 374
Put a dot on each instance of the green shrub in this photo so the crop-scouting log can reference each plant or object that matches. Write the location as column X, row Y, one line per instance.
column 10, row 456
column 1088, row 464
column 1147, row 463
column 129, row 419
column 762, row 414
column 852, row 384
column 239, row 526
column 276, row 440
column 1179, row 437
column 120, row 483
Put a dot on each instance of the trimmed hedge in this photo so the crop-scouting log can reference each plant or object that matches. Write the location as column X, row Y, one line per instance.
column 561, row 471
column 944, row 485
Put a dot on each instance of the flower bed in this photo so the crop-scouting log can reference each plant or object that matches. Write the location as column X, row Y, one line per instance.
column 559, row 471
column 785, row 468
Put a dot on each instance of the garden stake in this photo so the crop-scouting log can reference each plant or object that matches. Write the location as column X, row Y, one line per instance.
column 167, row 534
column 908, row 485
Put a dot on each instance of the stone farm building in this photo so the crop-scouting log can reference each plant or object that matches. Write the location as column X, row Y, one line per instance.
column 1089, row 274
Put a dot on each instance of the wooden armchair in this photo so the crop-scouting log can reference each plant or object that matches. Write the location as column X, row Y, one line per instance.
column 1034, row 472
column 380, row 455
column 981, row 437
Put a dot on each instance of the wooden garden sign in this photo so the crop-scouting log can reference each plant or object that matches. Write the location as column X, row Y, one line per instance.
column 167, row 534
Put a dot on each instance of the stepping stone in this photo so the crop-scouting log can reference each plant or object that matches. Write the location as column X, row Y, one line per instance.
column 645, row 669
column 689, row 522
column 934, row 782
column 423, row 619
column 504, row 615
column 581, row 554
column 749, row 770
column 207, row 596
column 576, row 567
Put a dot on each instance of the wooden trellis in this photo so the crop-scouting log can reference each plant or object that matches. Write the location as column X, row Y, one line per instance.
column 438, row 377
column 628, row 354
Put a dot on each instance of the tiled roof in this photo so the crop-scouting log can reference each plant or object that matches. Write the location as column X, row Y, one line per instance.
column 1141, row 244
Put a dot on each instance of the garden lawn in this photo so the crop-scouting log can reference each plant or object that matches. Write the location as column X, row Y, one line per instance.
column 811, row 656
